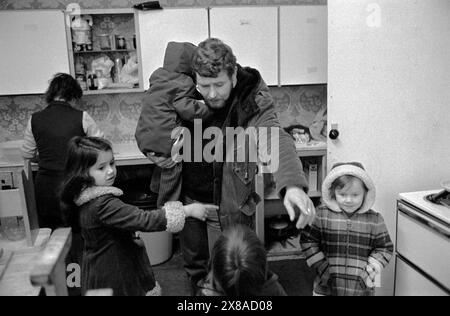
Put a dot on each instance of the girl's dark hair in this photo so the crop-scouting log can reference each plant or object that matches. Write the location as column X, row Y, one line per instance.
column 239, row 262
column 63, row 86
column 341, row 182
column 81, row 155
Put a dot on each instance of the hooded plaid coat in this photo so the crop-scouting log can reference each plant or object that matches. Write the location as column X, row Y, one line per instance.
column 340, row 245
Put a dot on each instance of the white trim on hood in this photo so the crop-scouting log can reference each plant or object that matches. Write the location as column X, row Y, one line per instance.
column 348, row 169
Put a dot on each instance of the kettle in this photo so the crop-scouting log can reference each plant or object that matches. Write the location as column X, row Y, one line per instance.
column 82, row 32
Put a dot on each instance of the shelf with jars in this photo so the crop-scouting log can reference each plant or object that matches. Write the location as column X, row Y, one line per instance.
column 103, row 52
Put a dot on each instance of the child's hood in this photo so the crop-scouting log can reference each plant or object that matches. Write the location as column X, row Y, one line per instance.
column 178, row 57
column 94, row 192
column 355, row 169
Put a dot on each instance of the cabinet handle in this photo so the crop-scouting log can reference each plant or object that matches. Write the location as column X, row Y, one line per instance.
column 413, row 214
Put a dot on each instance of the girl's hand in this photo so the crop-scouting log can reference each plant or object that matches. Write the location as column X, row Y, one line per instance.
column 199, row 211
column 372, row 275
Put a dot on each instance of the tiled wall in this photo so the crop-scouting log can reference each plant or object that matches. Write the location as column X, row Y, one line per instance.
column 117, row 114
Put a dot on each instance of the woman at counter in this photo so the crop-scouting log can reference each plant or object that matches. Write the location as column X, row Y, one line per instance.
column 47, row 135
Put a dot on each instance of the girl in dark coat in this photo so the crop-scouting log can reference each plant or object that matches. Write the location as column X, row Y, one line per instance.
column 113, row 257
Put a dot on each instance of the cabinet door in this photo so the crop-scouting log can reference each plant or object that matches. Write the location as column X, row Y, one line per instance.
column 303, row 45
column 157, row 28
column 29, row 55
column 252, row 33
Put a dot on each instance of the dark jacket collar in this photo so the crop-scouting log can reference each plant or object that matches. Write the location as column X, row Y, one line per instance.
column 243, row 95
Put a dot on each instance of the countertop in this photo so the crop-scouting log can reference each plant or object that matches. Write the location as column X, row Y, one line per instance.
column 124, row 154
column 417, row 199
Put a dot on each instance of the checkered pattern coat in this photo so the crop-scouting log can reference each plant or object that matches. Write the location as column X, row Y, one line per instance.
column 340, row 245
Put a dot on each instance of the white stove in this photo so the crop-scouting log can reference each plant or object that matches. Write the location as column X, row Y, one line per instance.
column 421, row 201
column 422, row 246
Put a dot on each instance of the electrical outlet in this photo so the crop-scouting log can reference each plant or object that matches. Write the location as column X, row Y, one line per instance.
column 6, row 179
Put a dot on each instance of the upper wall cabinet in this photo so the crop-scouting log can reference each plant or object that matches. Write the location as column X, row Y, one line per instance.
column 103, row 50
column 252, row 33
column 33, row 49
column 158, row 27
column 303, row 45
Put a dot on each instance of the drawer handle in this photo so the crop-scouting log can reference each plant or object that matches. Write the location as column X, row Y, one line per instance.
column 407, row 211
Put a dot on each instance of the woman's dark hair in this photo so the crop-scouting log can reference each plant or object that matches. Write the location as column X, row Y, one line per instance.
column 343, row 181
column 211, row 57
column 239, row 262
column 63, row 86
column 81, row 155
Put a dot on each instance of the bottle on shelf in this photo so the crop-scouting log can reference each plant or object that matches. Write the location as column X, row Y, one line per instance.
column 116, row 70
column 93, row 81
column 80, row 74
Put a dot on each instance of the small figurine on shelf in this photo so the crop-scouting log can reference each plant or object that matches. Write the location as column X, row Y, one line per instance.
column 82, row 32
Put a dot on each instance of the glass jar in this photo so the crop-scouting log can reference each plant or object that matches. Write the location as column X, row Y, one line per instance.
column 104, row 41
column 120, row 42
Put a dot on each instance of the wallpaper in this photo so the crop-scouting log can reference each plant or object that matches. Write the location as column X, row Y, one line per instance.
column 117, row 114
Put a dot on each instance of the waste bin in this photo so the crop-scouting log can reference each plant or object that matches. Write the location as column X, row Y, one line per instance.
column 157, row 244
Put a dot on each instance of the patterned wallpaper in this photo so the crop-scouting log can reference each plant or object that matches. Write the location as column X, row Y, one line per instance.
column 117, row 114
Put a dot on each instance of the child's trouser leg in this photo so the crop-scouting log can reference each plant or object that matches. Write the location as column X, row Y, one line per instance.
column 170, row 185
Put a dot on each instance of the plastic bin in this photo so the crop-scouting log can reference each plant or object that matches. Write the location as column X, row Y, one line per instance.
column 157, row 244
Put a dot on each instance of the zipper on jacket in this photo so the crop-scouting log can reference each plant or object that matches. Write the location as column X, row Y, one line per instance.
column 349, row 224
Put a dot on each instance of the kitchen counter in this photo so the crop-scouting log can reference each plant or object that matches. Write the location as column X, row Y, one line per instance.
column 124, row 154
column 129, row 154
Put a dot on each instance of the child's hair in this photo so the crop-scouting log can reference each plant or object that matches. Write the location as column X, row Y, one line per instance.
column 239, row 262
column 342, row 182
column 64, row 86
column 82, row 154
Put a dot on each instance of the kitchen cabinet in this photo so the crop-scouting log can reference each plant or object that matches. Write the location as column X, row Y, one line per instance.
column 270, row 204
column 19, row 202
column 29, row 55
column 252, row 33
column 104, row 43
column 303, row 45
column 158, row 27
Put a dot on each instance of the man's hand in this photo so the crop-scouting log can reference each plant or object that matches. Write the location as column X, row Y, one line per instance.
column 162, row 162
column 296, row 197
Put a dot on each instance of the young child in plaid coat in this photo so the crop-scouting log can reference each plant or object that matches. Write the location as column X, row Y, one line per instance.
column 348, row 244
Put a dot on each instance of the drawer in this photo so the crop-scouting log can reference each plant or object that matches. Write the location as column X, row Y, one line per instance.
column 425, row 243
column 10, row 204
column 410, row 282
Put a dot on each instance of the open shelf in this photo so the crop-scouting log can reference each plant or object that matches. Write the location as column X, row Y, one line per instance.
column 111, row 34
